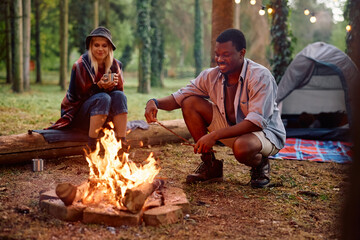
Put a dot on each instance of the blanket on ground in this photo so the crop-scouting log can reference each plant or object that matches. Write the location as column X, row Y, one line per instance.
column 317, row 151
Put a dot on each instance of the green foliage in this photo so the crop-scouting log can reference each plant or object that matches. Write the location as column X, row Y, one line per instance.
column 198, row 39
column 338, row 35
column 126, row 56
column 143, row 38
column 306, row 32
column 80, row 15
column 157, row 42
column 280, row 40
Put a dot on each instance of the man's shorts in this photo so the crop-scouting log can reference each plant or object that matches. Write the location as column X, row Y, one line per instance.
column 218, row 122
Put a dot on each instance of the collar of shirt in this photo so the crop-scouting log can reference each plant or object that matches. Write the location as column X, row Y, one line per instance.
column 242, row 74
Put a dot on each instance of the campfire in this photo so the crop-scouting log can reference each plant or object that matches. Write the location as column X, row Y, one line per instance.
column 118, row 191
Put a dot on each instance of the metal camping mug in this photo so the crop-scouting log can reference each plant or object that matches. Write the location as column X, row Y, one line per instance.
column 110, row 77
column 38, row 165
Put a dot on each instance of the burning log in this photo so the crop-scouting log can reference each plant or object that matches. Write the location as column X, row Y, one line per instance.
column 69, row 193
column 135, row 198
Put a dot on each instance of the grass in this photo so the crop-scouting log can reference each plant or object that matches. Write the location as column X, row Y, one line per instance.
column 39, row 107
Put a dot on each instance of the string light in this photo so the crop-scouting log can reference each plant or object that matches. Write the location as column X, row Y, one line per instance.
column 252, row 2
column 262, row 11
column 312, row 18
column 348, row 28
column 306, row 11
column 237, row 1
column 270, row 10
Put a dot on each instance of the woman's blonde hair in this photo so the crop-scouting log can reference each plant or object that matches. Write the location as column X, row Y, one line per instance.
column 108, row 60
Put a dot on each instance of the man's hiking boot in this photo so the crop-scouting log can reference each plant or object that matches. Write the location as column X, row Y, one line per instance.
column 260, row 175
column 209, row 170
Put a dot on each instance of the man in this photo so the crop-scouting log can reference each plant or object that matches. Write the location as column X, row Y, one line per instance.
column 233, row 103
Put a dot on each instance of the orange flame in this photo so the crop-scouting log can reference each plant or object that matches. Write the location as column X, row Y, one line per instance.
column 111, row 175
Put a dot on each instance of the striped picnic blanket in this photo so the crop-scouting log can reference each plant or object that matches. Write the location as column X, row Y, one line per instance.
column 317, row 151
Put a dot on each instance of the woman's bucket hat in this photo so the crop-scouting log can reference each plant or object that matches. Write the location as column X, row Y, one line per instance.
column 99, row 32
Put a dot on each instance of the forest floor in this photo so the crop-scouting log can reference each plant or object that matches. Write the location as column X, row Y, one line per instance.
column 304, row 202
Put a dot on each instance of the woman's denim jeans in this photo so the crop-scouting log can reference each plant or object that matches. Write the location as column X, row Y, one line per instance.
column 110, row 104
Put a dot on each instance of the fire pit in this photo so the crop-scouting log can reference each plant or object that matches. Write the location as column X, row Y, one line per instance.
column 117, row 192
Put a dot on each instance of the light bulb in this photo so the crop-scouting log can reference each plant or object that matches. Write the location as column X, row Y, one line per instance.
column 252, row 2
column 237, row 1
column 348, row 28
column 312, row 19
column 262, row 11
column 306, row 12
column 270, row 10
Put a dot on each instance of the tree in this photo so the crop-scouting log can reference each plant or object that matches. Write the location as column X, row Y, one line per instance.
column 37, row 41
column 157, row 51
column 351, row 209
column 64, row 9
column 9, row 73
column 96, row 13
column 352, row 14
column 18, row 84
column 222, row 19
column 198, row 39
column 305, row 32
column 80, row 13
column 281, row 44
column 26, row 42
column 143, row 38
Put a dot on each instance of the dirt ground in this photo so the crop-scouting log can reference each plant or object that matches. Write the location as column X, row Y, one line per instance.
column 304, row 202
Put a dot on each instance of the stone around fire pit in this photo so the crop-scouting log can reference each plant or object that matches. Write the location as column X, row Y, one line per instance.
column 157, row 212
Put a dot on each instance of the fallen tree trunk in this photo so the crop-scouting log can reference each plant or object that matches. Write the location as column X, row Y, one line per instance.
column 27, row 146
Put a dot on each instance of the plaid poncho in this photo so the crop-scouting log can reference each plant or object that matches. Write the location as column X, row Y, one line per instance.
column 82, row 86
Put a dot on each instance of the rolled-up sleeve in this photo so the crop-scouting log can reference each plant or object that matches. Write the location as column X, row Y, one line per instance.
column 200, row 86
column 262, row 94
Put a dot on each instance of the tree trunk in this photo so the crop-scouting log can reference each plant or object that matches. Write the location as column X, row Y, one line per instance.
column 198, row 39
column 9, row 72
column 143, row 33
column 24, row 147
column 351, row 209
column 222, row 19
column 96, row 13
column 64, row 9
column 107, row 13
column 27, row 38
column 18, row 84
column 156, row 15
column 280, row 42
column 353, row 36
column 37, row 42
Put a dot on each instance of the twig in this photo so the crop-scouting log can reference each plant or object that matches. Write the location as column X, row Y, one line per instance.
column 187, row 142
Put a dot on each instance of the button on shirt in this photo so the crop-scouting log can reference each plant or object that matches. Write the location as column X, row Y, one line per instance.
column 254, row 99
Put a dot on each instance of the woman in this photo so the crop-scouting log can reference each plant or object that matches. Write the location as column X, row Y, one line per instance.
column 93, row 98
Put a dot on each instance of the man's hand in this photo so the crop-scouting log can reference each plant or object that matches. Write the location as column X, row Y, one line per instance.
column 151, row 111
column 205, row 143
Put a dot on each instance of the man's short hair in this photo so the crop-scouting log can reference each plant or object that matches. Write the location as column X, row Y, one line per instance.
column 235, row 36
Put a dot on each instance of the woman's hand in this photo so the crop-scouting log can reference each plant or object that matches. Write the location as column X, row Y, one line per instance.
column 105, row 82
